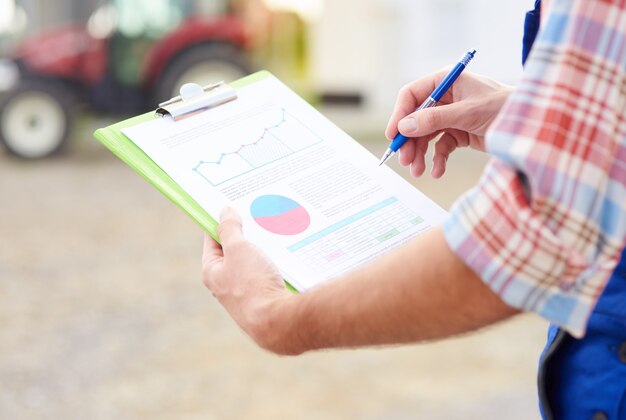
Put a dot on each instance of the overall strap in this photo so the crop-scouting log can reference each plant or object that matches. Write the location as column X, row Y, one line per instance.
column 531, row 27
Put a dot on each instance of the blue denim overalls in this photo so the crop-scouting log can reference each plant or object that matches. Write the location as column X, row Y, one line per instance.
column 586, row 378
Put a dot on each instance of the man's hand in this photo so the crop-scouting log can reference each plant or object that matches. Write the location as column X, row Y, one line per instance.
column 245, row 282
column 463, row 115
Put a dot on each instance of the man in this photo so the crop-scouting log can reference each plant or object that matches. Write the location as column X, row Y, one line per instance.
column 543, row 230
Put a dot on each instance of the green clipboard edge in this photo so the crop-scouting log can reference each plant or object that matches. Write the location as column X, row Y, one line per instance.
column 127, row 151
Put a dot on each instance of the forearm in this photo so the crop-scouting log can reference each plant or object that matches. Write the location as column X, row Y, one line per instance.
column 419, row 292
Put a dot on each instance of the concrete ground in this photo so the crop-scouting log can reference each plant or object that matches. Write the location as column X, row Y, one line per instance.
column 103, row 316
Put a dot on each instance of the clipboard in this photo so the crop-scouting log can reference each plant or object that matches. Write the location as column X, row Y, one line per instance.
column 131, row 154
column 336, row 208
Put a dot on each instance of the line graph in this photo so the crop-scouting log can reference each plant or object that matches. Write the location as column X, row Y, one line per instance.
column 266, row 137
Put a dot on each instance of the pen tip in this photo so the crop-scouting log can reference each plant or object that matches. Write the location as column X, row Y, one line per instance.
column 385, row 157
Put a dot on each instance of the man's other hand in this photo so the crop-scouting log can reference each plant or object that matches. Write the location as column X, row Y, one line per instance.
column 461, row 118
column 245, row 282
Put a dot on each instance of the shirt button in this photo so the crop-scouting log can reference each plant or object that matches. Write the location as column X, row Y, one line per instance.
column 622, row 352
column 600, row 416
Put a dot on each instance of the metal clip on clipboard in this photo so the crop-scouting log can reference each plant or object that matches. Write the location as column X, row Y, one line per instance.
column 194, row 99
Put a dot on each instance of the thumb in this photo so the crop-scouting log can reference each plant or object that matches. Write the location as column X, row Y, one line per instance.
column 229, row 229
column 431, row 120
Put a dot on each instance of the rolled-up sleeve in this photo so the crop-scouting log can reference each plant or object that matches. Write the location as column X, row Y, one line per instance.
column 546, row 224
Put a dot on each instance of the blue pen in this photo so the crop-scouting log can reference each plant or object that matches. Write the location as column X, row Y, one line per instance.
column 431, row 101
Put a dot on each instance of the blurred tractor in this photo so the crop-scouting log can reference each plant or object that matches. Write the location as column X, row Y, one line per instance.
column 131, row 55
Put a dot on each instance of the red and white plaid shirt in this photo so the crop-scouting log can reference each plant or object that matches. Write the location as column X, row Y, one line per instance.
column 546, row 224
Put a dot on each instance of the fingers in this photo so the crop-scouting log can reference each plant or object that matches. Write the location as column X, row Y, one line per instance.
column 229, row 229
column 470, row 105
column 434, row 120
column 212, row 251
column 406, row 154
column 413, row 152
column 409, row 98
column 418, row 166
column 448, row 143
column 443, row 148
column 229, row 232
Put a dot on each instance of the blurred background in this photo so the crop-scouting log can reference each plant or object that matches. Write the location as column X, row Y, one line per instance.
column 102, row 311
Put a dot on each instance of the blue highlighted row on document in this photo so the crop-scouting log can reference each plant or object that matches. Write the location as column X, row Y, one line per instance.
column 364, row 234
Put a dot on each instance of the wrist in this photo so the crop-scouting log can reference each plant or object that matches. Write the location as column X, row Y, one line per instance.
column 274, row 327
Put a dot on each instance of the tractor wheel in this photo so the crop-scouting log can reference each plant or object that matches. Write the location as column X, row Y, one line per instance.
column 203, row 64
column 34, row 119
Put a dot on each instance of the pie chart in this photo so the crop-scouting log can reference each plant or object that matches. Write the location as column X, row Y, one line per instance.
column 280, row 215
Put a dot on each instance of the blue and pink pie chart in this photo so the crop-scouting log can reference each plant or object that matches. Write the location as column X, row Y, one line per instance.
column 280, row 215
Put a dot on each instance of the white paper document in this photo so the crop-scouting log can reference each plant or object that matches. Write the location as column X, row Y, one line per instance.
column 309, row 195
